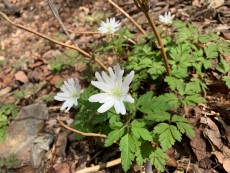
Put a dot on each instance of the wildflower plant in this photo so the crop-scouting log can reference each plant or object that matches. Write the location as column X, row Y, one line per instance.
column 115, row 90
column 167, row 18
column 110, row 26
column 142, row 111
column 70, row 93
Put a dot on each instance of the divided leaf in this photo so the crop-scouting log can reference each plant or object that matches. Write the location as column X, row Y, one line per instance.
column 183, row 125
column 171, row 99
column 227, row 81
column 127, row 148
column 139, row 130
column 168, row 134
column 158, row 159
column 145, row 98
column 143, row 152
column 223, row 66
column 158, row 116
column 115, row 134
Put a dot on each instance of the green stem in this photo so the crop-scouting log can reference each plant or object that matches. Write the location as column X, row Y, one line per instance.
column 154, row 28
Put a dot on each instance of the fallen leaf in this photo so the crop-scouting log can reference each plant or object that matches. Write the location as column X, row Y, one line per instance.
column 211, row 132
column 5, row 91
column 220, row 157
column 215, row 3
column 226, row 164
column 62, row 168
column 198, row 146
column 21, row 76
column 196, row 3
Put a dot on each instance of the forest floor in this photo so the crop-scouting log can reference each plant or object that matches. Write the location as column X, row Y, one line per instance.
column 27, row 80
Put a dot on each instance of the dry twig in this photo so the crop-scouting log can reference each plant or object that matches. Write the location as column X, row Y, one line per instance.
column 79, row 132
column 53, row 40
column 128, row 16
column 101, row 166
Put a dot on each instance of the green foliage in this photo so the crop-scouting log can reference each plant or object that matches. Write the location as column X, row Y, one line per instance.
column 169, row 133
column 88, row 119
column 7, row 113
column 118, row 131
column 223, row 66
column 30, row 91
column 11, row 162
column 226, row 79
column 128, row 149
column 116, row 43
column 68, row 58
column 139, row 131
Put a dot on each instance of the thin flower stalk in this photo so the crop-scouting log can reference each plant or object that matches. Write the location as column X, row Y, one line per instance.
column 143, row 5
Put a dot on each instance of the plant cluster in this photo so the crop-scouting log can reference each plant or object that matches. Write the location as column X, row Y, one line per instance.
column 141, row 112
column 9, row 164
column 7, row 113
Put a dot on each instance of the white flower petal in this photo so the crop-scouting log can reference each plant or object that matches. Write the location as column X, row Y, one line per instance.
column 101, row 85
column 167, row 18
column 67, row 104
column 128, row 79
column 110, row 26
column 119, row 107
column 77, row 85
column 106, row 106
column 129, row 99
column 112, row 75
column 70, row 94
column 117, row 69
column 115, row 91
column 101, row 98
column 106, row 78
column 64, row 89
column 61, row 96
column 98, row 76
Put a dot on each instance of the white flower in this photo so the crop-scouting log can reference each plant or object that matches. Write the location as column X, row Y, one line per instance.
column 115, row 91
column 167, row 18
column 110, row 26
column 70, row 93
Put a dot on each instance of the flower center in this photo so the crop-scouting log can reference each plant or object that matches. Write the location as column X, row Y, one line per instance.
column 109, row 28
column 74, row 94
column 116, row 92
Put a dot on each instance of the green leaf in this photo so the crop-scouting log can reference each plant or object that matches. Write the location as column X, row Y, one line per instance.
column 127, row 148
column 160, row 116
column 183, row 125
column 145, row 98
column 158, row 159
column 192, row 88
column 115, row 134
column 179, row 72
column 227, row 81
column 139, row 130
column 193, row 100
column 171, row 99
column 3, row 133
column 211, row 51
column 207, row 63
column 143, row 152
column 173, row 82
column 205, row 38
column 224, row 47
column 223, row 66
column 168, row 134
